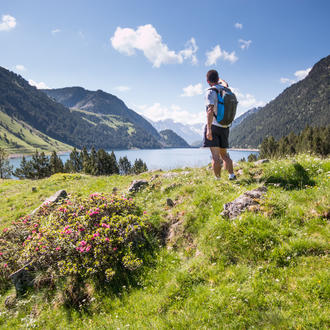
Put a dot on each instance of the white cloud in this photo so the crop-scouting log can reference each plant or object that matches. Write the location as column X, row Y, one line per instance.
column 158, row 112
column 55, row 31
column 7, row 23
column 122, row 88
column 301, row 74
column 192, row 90
column 38, row 85
column 287, row 81
column 216, row 53
column 246, row 101
column 244, row 44
column 238, row 26
column 146, row 39
column 20, row 67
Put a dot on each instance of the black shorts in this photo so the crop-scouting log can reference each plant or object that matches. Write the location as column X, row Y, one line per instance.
column 219, row 137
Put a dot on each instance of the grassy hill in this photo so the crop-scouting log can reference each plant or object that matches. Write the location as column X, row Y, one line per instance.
column 20, row 138
column 265, row 269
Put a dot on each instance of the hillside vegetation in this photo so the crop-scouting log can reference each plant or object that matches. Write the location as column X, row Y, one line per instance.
column 268, row 268
column 305, row 103
column 19, row 137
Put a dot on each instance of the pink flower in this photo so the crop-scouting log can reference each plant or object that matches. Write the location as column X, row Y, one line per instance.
column 83, row 243
column 5, row 265
column 144, row 212
column 105, row 225
column 114, row 249
column 5, row 229
column 81, row 229
column 37, row 249
column 58, row 248
column 33, row 231
column 96, row 234
column 88, row 248
column 107, row 239
column 1, row 253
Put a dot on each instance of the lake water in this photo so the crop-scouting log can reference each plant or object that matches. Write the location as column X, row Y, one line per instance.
column 165, row 159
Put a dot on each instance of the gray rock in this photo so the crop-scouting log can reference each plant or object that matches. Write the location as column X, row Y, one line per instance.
column 261, row 161
column 169, row 202
column 240, row 204
column 114, row 190
column 22, row 279
column 34, row 189
column 170, row 175
column 138, row 185
column 52, row 199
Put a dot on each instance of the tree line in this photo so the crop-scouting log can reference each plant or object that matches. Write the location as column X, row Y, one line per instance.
column 94, row 163
column 314, row 140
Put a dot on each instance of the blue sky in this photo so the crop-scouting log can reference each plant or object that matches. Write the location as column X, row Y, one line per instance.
column 154, row 54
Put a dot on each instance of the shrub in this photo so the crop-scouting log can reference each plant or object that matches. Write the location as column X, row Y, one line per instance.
column 102, row 238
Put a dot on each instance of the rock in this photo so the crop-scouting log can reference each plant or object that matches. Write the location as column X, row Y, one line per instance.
column 138, row 185
column 243, row 202
column 114, row 190
column 154, row 177
column 261, row 161
column 170, row 187
column 52, row 199
column 158, row 170
column 170, row 175
column 169, row 202
column 184, row 173
column 34, row 189
column 10, row 301
column 22, row 279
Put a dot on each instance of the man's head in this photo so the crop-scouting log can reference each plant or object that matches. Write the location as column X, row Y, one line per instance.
column 212, row 77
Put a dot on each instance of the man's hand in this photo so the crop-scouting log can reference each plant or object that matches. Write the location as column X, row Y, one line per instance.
column 209, row 134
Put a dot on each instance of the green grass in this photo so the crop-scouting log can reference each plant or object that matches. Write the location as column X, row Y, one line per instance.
column 21, row 138
column 266, row 270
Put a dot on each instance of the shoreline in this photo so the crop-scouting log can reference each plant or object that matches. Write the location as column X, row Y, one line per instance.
column 12, row 156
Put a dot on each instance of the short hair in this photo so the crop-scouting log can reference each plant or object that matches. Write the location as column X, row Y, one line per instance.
column 212, row 76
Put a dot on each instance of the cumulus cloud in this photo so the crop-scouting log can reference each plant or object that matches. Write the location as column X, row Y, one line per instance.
column 122, row 88
column 300, row 74
column 238, row 26
column 7, row 23
column 244, row 44
column 192, row 90
column 216, row 53
column 20, row 67
column 55, row 31
column 146, row 39
column 246, row 101
column 38, row 85
column 158, row 112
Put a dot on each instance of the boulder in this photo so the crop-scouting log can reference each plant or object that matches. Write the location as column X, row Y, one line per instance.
column 261, row 161
column 170, row 175
column 22, row 279
column 169, row 202
column 52, row 199
column 138, row 185
column 249, row 200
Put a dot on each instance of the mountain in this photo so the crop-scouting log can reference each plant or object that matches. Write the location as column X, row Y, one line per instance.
column 102, row 103
column 246, row 114
column 26, row 104
column 190, row 133
column 172, row 140
column 306, row 102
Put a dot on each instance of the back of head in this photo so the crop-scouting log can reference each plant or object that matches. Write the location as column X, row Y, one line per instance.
column 212, row 76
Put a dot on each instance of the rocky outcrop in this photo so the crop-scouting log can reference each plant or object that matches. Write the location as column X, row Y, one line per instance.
column 137, row 185
column 52, row 199
column 243, row 202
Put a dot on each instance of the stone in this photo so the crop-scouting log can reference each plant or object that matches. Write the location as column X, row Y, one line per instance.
column 22, row 279
column 10, row 301
column 52, row 199
column 114, row 190
column 138, row 185
column 34, row 189
column 169, row 202
column 261, row 161
column 170, row 175
column 249, row 200
column 154, row 177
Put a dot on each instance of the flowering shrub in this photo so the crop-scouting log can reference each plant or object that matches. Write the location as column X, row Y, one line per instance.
column 101, row 237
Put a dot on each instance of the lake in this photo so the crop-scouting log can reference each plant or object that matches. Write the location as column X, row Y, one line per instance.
column 165, row 159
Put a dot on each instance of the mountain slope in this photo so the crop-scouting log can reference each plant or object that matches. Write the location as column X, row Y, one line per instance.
column 306, row 102
column 246, row 114
column 19, row 137
column 25, row 103
column 172, row 140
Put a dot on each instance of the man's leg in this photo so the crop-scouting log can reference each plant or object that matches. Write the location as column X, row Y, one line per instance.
column 216, row 161
column 226, row 159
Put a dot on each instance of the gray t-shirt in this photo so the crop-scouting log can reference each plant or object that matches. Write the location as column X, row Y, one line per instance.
column 211, row 98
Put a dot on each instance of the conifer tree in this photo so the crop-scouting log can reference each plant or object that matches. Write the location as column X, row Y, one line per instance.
column 55, row 164
column 139, row 166
column 5, row 169
column 125, row 167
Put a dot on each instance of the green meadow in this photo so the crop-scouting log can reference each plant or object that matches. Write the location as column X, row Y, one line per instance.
column 266, row 269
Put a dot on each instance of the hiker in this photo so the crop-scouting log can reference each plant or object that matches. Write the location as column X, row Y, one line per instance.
column 215, row 134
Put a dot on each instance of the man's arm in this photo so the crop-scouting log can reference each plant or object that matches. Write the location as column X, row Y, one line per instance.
column 209, row 115
column 223, row 83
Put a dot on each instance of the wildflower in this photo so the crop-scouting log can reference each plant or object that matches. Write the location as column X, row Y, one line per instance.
column 88, row 248
column 1, row 253
column 5, row 265
column 107, row 239
column 37, row 248
column 96, row 235
column 83, row 243
column 58, row 248
column 114, row 249
column 5, row 229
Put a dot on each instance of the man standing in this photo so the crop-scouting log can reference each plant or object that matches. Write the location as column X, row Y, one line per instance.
column 215, row 134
